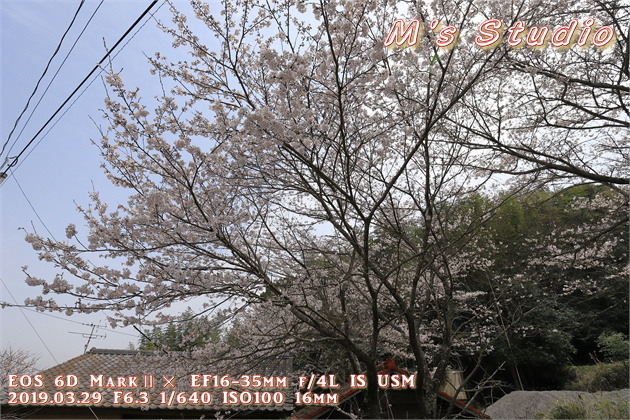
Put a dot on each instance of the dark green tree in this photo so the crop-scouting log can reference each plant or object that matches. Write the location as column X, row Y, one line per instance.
column 556, row 278
column 188, row 332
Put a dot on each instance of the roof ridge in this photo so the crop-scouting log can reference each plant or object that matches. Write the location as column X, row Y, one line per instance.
column 94, row 350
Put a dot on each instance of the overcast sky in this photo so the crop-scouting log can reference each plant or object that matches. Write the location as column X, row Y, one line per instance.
column 64, row 167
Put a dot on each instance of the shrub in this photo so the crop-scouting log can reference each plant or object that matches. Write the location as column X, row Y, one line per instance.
column 615, row 346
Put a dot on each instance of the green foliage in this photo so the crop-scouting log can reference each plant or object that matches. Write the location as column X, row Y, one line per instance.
column 185, row 334
column 615, row 346
column 598, row 408
column 600, row 377
column 553, row 304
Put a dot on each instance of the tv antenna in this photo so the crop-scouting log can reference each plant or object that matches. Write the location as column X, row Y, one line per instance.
column 92, row 334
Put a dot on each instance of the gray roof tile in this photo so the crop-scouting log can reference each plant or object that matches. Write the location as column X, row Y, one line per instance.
column 127, row 363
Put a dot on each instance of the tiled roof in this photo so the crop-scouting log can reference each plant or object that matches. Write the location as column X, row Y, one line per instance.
column 145, row 365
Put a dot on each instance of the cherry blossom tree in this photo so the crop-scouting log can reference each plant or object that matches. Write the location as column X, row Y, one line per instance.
column 16, row 361
column 295, row 167
column 557, row 279
column 560, row 113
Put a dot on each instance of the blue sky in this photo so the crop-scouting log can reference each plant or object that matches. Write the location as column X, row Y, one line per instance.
column 64, row 167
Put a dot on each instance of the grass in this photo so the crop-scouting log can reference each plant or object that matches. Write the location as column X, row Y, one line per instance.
column 601, row 408
column 599, row 377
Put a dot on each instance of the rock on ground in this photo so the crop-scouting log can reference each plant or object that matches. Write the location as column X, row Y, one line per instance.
column 526, row 404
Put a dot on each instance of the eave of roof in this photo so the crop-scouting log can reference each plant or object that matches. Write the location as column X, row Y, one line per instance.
column 389, row 366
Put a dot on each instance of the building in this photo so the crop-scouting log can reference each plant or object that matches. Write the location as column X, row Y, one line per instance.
column 125, row 384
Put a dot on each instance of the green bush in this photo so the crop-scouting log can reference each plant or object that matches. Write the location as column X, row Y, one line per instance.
column 600, row 377
column 615, row 346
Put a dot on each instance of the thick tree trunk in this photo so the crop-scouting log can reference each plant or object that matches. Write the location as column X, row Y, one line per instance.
column 372, row 401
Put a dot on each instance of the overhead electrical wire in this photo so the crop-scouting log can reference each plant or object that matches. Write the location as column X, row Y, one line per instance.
column 81, row 94
column 29, row 323
column 80, row 323
column 96, row 67
column 42, row 76
column 54, row 77
column 33, row 208
column 15, row 159
column 67, row 320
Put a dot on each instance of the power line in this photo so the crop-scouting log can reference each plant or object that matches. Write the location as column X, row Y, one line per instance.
column 79, row 96
column 54, row 77
column 53, row 237
column 96, row 67
column 39, row 336
column 80, row 323
column 29, row 322
column 42, row 76
column 32, row 207
column 15, row 159
column 22, row 309
column 69, row 320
